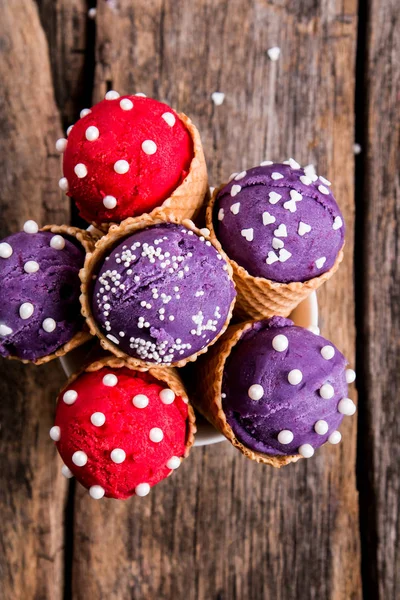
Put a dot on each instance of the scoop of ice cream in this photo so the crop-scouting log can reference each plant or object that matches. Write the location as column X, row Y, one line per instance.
column 39, row 293
column 279, row 222
column 124, row 157
column 162, row 294
column 284, row 389
column 119, row 432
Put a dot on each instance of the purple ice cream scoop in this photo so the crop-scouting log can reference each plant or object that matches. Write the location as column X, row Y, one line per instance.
column 279, row 222
column 162, row 294
column 284, row 389
column 39, row 292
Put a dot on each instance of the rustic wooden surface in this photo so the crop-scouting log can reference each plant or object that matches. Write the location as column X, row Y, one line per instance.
column 222, row 528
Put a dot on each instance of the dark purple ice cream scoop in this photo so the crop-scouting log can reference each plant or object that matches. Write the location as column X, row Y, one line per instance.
column 284, row 389
column 39, row 292
column 279, row 222
column 162, row 294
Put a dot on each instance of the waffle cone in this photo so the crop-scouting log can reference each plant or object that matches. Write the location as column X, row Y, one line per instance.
column 208, row 401
column 187, row 199
column 260, row 298
column 161, row 374
column 86, row 240
column 93, row 261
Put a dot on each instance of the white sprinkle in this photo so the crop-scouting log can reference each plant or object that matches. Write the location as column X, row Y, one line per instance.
column 204, row 231
column 357, row 149
column 70, row 128
column 98, row 419
column 248, row 234
column 140, row 401
column 271, row 258
column 306, row 450
column 350, row 375
column 31, row 227
column 255, row 391
column 294, row 164
column 57, row 242
column 126, row 104
column 112, row 338
column 295, row 376
column 61, row 145
column 92, row 133
column 174, row 462
column 55, row 433
column 335, row 437
column 285, row 436
column 281, row 231
column 314, row 329
column 274, row 53
column 303, row 228
column 4, row 330
column 325, row 181
column 232, row 176
column 310, row 172
column 235, row 190
column 321, row 427
column 142, row 489
column 79, row 458
column 26, row 310
column 110, row 202
column 280, row 343
column 347, row 407
column 235, row 208
column 319, row 263
column 156, row 434
column 80, row 170
column 167, row 396
column 337, row 223
column 328, row 352
column 305, row 180
column 323, row 190
column 169, row 118
column 84, row 112
column 277, row 243
column 63, row 184
column 149, row 147
column 118, row 455
column 327, row 391
column 266, row 163
column 92, row 13
column 121, row 167
column 276, row 176
column 141, row 95
column 284, row 255
column 267, row 218
column 240, row 175
column 5, row 250
column 96, row 492
column 221, row 214
column 110, row 380
column 218, row 98
column 70, row 396
column 111, row 95
column 66, row 472
column 49, row 324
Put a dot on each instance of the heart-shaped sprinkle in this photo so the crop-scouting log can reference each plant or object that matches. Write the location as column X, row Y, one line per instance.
column 268, row 218
column 337, row 223
column 294, row 164
column 277, row 243
column 305, row 180
column 274, row 197
column 290, row 205
column 235, row 208
column 281, row 231
column 309, row 170
column 272, row 258
column 240, row 175
column 221, row 214
column 276, row 176
column 284, row 255
column 323, row 190
column 296, row 196
column 235, row 190
column 303, row 228
column 248, row 234
column 319, row 263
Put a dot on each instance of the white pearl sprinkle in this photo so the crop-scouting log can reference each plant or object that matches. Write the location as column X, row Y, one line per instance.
column 306, row 450
column 96, row 492
column 26, row 310
column 61, row 145
column 118, row 455
column 321, row 427
column 235, row 190
column 5, row 250
column 111, row 95
column 326, row 391
column 323, row 190
column 347, row 407
column 4, row 330
column 328, row 352
column 255, row 391
column 55, row 433
column 31, row 266
column 121, row 167
column 31, row 226
column 295, row 376
column 66, row 471
column 169, row 118
column 70, row 396
column 84, row 112
column 126, row 104
column 140, row 401
column 98, row 419
column 92, row 13
column 63, row 184
column 335, row 437
column 110, row 380
column 350, row 375
column 70, row 128
column 174, row 462
column 167, row 396
column 49, row 325
column 314, row 329
column 280, row 343
column 149, row 147
column 79, row 458
column 57, row 242
column 92, row 133
column 156, row 434
column 274, row 53
column 109, row 202
column 142, row 489
column 80, row 170
column 285, row 436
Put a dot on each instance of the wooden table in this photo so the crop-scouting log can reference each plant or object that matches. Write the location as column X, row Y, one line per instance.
column 222, row 528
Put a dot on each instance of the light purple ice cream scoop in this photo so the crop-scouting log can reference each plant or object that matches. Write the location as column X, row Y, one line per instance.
column 162, row 294
column 279, row 222
column 284, row 389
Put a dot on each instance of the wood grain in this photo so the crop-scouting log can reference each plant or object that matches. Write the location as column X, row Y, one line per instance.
column 224, row 527
column 379, row 314
column 31, row 491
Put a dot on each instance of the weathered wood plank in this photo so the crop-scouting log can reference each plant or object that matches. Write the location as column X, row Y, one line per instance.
column 223, row 527
column 379, row 296
column 31, row 488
